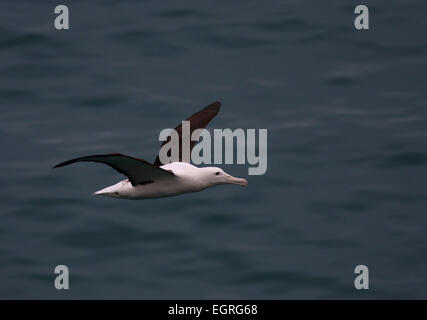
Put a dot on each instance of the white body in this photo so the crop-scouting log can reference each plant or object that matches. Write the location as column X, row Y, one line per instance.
column 187, row 178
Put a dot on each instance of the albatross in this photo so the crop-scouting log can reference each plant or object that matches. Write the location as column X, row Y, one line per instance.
column 147, row 180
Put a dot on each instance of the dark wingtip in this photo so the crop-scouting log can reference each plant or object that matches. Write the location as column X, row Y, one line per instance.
column 64, row 163
column 218, row 103
column 88, row 158
column 58, row 165
column 214, row 106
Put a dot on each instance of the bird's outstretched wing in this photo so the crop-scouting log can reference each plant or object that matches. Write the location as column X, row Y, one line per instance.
column 138, row 171
column 198, row 120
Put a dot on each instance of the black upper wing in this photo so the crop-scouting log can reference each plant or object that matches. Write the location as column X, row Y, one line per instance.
column 138, row 171
column 197, row 121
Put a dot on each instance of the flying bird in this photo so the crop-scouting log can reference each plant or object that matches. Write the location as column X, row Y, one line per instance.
column 154, row 180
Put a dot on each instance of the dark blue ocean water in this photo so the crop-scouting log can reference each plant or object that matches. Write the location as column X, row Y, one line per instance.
column 346, row 113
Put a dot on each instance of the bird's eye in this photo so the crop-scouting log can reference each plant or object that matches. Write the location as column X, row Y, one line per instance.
column 217, row 173
column 116, row 193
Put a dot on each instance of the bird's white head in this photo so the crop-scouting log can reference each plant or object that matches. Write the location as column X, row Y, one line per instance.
column 213, row 176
